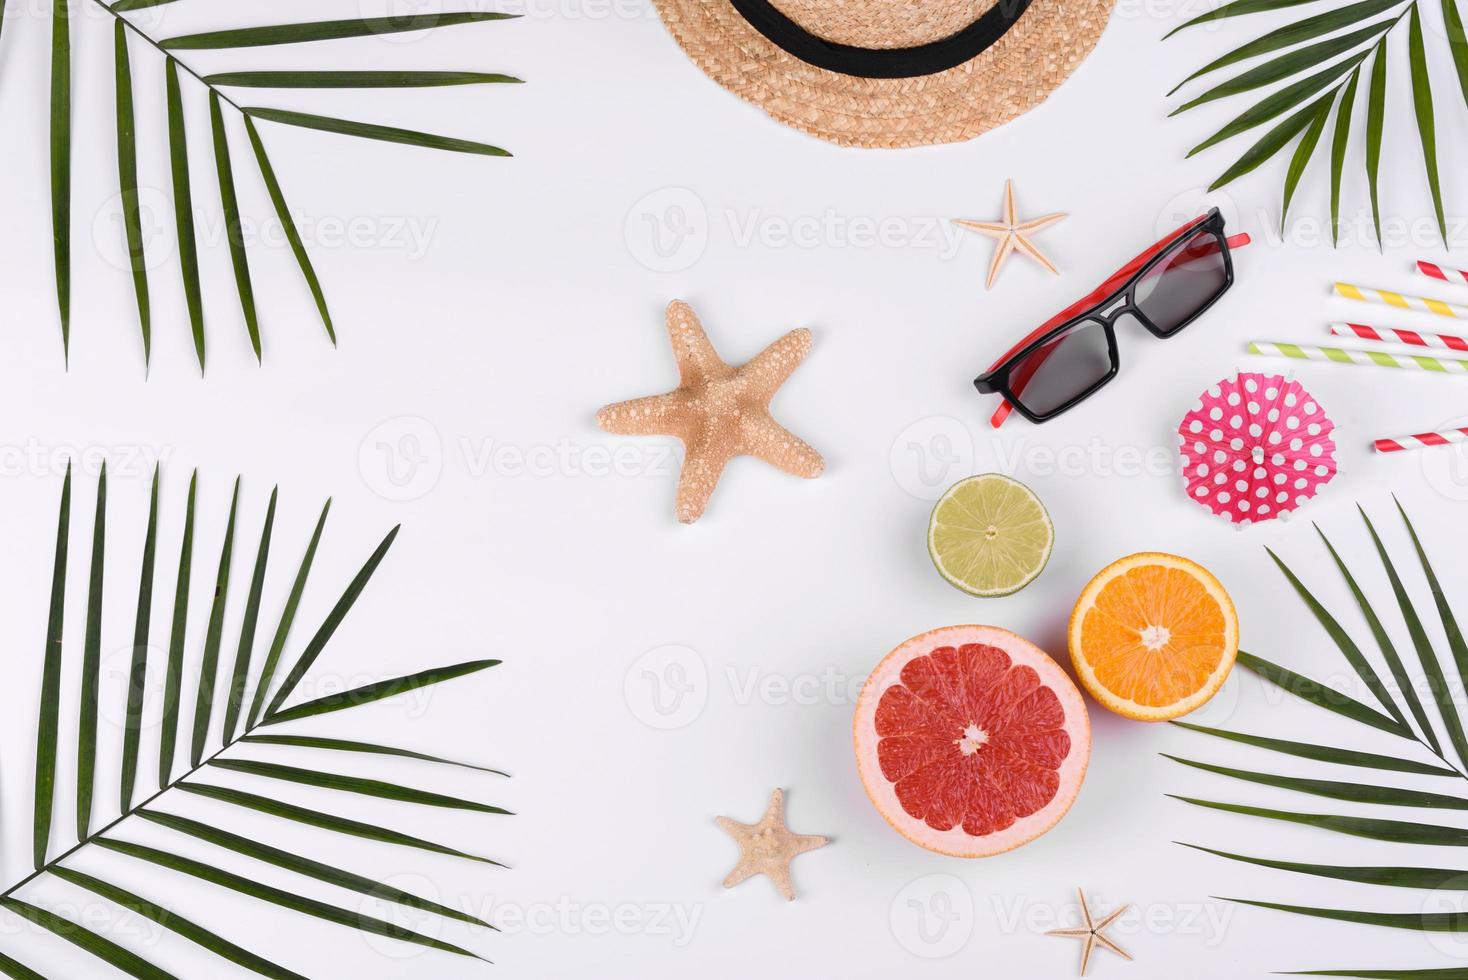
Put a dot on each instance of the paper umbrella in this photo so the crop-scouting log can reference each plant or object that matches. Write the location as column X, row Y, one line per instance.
column 1255, row 447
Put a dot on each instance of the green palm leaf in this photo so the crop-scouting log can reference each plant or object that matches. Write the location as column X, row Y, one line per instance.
column 1292, row 34
column 96, row 944
column 1399, row 832
column 127, row 178
column 1375, row 123
column 1236, row 9
column 1394, row 831
column 1339, row 142
column 287, row 618
column 1302, row 55
column 240, row 676
column 1422, row 921
column 353, row 784
column 61, row 162
column 1431, row 669
column 1290, row 63
column 1388, row 652
column 1324, row 697
column 347, row 745
column 325, row 821
column 355, row 79
column 1319, row 753
column 1422, row 105
column 376, row 692
column 304, row 866
column 138, row 669
column 99, row 946
column 251, row 37
column 51, row 684
column 288, row 223
column 183, row 210
column 372, row 131
column 232, row 223
column 176, row 923
column 179, row 73
column 1457, row 43
column 332, row 621
column 276, row 896
column 1277, row 104
column 1428, row 878
column 1272, row 142
column 173, row 684
column 1342, row 640
column 213, row 636
column 1350, row 792
column 1301, row 159
column 86, row 756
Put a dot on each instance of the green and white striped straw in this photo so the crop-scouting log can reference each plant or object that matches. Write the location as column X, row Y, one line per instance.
column 1342, row 355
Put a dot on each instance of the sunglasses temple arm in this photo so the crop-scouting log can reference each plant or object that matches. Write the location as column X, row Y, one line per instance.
column 1005, row 408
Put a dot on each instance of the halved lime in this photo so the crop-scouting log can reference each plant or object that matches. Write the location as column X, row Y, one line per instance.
column 990, row 535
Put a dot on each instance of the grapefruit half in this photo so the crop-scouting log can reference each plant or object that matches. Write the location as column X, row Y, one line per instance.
column 971, row 741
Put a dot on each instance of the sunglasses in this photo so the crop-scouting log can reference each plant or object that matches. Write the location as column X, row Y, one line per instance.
column 1073, row 354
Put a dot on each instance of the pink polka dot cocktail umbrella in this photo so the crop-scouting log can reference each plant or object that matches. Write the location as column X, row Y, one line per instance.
column 1255, row 447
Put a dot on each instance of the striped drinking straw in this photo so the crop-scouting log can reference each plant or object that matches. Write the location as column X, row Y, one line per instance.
column 1400, row 335
column 1435, row 271
column 1401, row 301
column 1342, row 355
column 1421, row 440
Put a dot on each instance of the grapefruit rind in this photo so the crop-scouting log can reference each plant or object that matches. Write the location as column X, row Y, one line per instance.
column 1127, row 707
column 955, row 842
column 957, row 581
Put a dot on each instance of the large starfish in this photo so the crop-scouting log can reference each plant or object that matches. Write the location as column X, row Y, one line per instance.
column 1093, row 934
column 768, row 847
column 1013, row 235
column 719, row 411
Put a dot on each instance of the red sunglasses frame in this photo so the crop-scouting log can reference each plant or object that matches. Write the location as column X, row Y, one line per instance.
column 1099, row 297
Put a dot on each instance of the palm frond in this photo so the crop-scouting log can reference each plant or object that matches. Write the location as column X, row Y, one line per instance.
column 211, row 750
column 180, row 79
column 1322, row 55
column 1430, row 669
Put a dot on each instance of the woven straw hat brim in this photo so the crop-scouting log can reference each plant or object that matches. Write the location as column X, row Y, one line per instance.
column 1009, row 78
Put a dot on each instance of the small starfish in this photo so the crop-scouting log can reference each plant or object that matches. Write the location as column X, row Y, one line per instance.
column 1094, row 934
column 718, row 411
column 768, row 847
column 1012, row 234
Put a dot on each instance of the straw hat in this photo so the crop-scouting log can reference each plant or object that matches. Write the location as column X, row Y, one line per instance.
column 888, row 72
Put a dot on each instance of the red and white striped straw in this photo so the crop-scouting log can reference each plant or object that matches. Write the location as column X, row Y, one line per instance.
column 1422, row 440
column 1435, row 271
column 1400, row 335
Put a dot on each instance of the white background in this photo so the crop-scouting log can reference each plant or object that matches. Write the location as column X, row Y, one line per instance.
column 479, row 356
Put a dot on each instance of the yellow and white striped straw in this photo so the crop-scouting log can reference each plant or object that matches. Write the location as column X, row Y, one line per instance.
column 1342, row 355
column 1402, row 302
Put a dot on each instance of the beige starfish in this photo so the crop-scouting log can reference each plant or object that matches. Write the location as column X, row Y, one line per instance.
column 718, row 411
column 1094, row 934
column 1012, row 234
column 768, row 847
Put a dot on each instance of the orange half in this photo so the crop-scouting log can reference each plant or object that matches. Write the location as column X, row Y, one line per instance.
column 1153, row 636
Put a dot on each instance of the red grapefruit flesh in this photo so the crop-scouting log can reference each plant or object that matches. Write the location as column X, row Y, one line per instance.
column 971, row 741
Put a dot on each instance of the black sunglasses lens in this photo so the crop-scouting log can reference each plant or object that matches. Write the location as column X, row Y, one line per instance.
column 1062, row 369
column 1188, row 279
